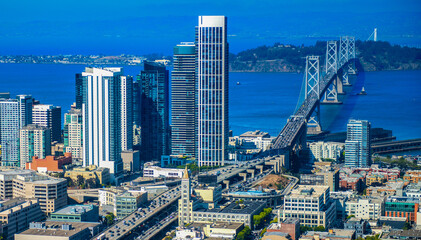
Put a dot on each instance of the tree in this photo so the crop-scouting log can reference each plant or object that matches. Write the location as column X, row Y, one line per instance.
column 110, row 218
column 91, row 183
column 70, row 182
column 319, row 229
column 80, row 180
column 406, row 226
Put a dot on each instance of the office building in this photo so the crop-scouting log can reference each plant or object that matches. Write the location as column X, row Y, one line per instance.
column 311, row 204
column 6, row 182
column 48, row 116
column 17, row 214
column 34, row 140
column 212, row 90
column 126, row 113
column 25, row 109
column 72, row 133
column 76, row 213
column 51, row 192
column 407, row 207
column 55, row 230
column 124, row 202
column 155, row 112
column 79, row 90
column 9, row 132
column 365, row 208
column 357, row 144
column 137, row 97
column 131, row 160
column 101, row 111
column 49, row 163
column 183, row 106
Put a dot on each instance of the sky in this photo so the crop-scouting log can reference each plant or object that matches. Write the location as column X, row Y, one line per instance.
column 155, row 26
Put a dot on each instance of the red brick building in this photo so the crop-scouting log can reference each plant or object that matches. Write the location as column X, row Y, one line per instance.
column 50, row 163
column 290, row 226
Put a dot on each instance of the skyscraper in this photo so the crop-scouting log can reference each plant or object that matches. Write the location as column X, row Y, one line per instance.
column 34, row 140
column 212, row 90
column 101, row 111
column 183, row 106
column 25, row 109
column 154, row 112
column 9, row 132
column 73, row 133
column 357, row 144
column 79, row 90
column 126, row 113
column 48, row 116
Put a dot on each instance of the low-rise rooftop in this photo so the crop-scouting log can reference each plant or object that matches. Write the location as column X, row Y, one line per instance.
column 53, row 228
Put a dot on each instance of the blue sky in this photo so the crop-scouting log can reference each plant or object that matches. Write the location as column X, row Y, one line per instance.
column 147, row 26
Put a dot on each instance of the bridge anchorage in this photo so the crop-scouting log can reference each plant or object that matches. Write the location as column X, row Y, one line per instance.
column 318, row 87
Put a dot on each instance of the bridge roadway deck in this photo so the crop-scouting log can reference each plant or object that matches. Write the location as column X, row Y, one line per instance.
column 152, row 234
column 237, row 170
column 288, row 134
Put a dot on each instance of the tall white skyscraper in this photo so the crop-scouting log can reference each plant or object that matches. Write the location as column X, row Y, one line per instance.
column 357, row 144
column 126, row 113
column 212, row 90
column 101, row 111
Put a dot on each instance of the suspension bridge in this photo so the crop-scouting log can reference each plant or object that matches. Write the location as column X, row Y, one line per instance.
column 321, row 85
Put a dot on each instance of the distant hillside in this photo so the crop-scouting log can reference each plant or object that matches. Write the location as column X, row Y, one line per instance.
column 374, row 56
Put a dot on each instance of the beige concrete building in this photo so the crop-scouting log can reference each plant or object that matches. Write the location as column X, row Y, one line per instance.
column 51, row 192
column 92, row 171
column 365, row 208
column 16, row 214
column 52, row 230
column 124, row 202
column 6, row 181
column 311, row 204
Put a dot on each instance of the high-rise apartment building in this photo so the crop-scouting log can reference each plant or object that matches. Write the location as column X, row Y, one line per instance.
column 34, row 140
column 101, row 111
column 357, row 144
column 183, row 106
column 9, row 132
column 48, row 116
column 154, row 112
column 126, row 113
column 212, row 90
column 25, row 109
column 72, row 133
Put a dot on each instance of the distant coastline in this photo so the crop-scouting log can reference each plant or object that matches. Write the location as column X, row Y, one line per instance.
column 374, row 56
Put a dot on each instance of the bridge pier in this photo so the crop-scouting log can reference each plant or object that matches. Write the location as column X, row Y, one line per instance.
column 244, row 175
column 227, row 184
column 251, row 171
column 260, row 167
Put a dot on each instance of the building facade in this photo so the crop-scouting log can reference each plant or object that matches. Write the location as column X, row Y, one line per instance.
column 48, row 116
column 25, row 109
column 76, row 213
column 9, row 132
column 366, row 208
column 34, row 140
column 49, row 163
column 126, row 113
column 212, row 90
column 183, row 105
column 72, row 133
column 17, row 214
column 326, row 150
column 51, row 192
column 311, row 204
column 357, row 144
column 154, row 112
column 101, row 111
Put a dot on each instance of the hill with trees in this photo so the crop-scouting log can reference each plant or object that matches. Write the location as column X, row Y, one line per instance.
column 374, row 56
